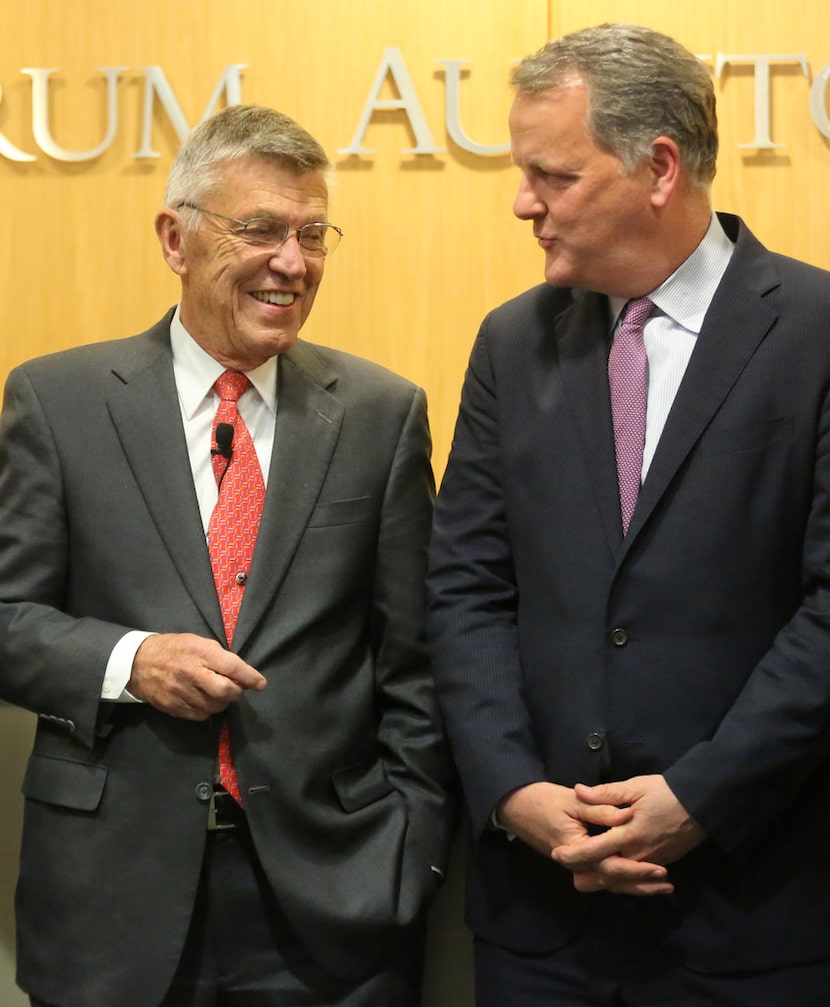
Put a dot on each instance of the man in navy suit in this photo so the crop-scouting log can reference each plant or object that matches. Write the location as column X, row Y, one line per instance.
column 641, row 717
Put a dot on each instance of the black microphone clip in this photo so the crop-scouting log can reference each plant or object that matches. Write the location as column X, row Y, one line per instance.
column 224, row 440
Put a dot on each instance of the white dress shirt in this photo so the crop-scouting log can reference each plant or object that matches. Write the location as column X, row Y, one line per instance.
column 195, row 372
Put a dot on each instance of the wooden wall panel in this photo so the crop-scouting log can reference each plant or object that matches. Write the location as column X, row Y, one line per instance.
column 430, row 240
column 431, row 243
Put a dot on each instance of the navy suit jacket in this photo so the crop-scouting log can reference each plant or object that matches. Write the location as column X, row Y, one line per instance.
column 698, row 646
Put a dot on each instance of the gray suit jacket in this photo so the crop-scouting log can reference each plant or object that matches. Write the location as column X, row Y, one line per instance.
column 341, row 757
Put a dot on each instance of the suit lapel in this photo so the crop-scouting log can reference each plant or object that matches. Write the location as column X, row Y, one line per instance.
column 144, row 409
column 307, row 430
column 582, row 335
column 736, row 323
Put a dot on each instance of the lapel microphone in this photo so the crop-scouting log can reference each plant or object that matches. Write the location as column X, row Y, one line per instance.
column 224, row 440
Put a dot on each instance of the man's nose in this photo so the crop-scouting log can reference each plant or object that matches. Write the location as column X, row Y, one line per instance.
column 289, row 256
column 527, row 204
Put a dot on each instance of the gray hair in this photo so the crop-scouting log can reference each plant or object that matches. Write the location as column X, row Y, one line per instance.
column 641, row 85
column 235, row 132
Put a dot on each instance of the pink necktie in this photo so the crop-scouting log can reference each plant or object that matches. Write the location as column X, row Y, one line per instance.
column 233, row 528
column 628, row 380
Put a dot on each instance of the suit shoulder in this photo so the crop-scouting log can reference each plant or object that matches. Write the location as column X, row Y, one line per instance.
column 89, row 359
column 328, row 366
column 760, row 269
column 539, row 305
column 813, row 278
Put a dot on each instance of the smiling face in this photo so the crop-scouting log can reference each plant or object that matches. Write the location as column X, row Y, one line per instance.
column 594, row 221
column 244, row 304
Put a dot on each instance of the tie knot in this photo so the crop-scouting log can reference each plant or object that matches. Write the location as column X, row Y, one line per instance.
column 231, row 385
column 636, row 312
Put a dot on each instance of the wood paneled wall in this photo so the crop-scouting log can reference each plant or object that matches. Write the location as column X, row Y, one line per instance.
column 431, row 243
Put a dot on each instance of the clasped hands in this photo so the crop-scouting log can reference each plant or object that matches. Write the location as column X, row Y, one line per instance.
column 645, row 828
column 190, row 676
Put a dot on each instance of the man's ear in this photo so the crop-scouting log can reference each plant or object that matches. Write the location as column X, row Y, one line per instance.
column 664, row 165
column 169, row 233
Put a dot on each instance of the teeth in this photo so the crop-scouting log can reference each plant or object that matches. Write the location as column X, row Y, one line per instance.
column 274, row 297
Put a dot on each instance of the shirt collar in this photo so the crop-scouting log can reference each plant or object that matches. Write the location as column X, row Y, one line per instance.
column 196, row 371
column 686, row 295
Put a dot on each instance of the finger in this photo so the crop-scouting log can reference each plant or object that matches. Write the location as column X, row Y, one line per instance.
column 620, row 870
column 606, row 815
column 639, row 886
column 622, row 876
column 587, row 852
column 616, row 794
column 186, row 712
column 193, row 693
column 232, row 667
column 196, row 707
column 209, row 705
column 209, row 687
column 646, row 888
column 588, row 882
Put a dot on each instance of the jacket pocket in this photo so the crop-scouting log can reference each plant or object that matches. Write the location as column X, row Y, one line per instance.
column 337, row 512
column 64, row 782
column 746, row 437
column 359, row 786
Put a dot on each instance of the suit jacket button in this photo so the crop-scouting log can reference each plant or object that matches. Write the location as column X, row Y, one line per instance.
column 595, row 741
column 204, row 791
column 619, row 637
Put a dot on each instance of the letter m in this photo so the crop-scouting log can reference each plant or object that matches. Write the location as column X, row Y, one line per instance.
column 157, row 85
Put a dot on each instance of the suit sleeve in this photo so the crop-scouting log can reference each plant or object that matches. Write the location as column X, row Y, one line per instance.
column 776, row 735
column 50, row 661
column 410, row 731
column 471, row 624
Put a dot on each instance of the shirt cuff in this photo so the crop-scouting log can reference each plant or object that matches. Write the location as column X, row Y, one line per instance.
column 120, row 667
column 496, row 824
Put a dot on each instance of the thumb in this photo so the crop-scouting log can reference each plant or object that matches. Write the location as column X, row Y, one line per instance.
column 603, row 793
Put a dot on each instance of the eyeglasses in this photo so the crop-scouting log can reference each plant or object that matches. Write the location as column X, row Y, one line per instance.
column 316, row 239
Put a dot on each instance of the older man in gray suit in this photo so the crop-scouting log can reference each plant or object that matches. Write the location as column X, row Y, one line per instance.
column 295, row 866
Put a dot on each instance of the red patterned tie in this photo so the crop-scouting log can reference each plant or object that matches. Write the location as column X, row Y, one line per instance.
column 628, row 380
column 233, row 529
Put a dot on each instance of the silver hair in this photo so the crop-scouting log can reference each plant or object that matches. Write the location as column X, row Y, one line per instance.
column 641, row 85
column 235, row 132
